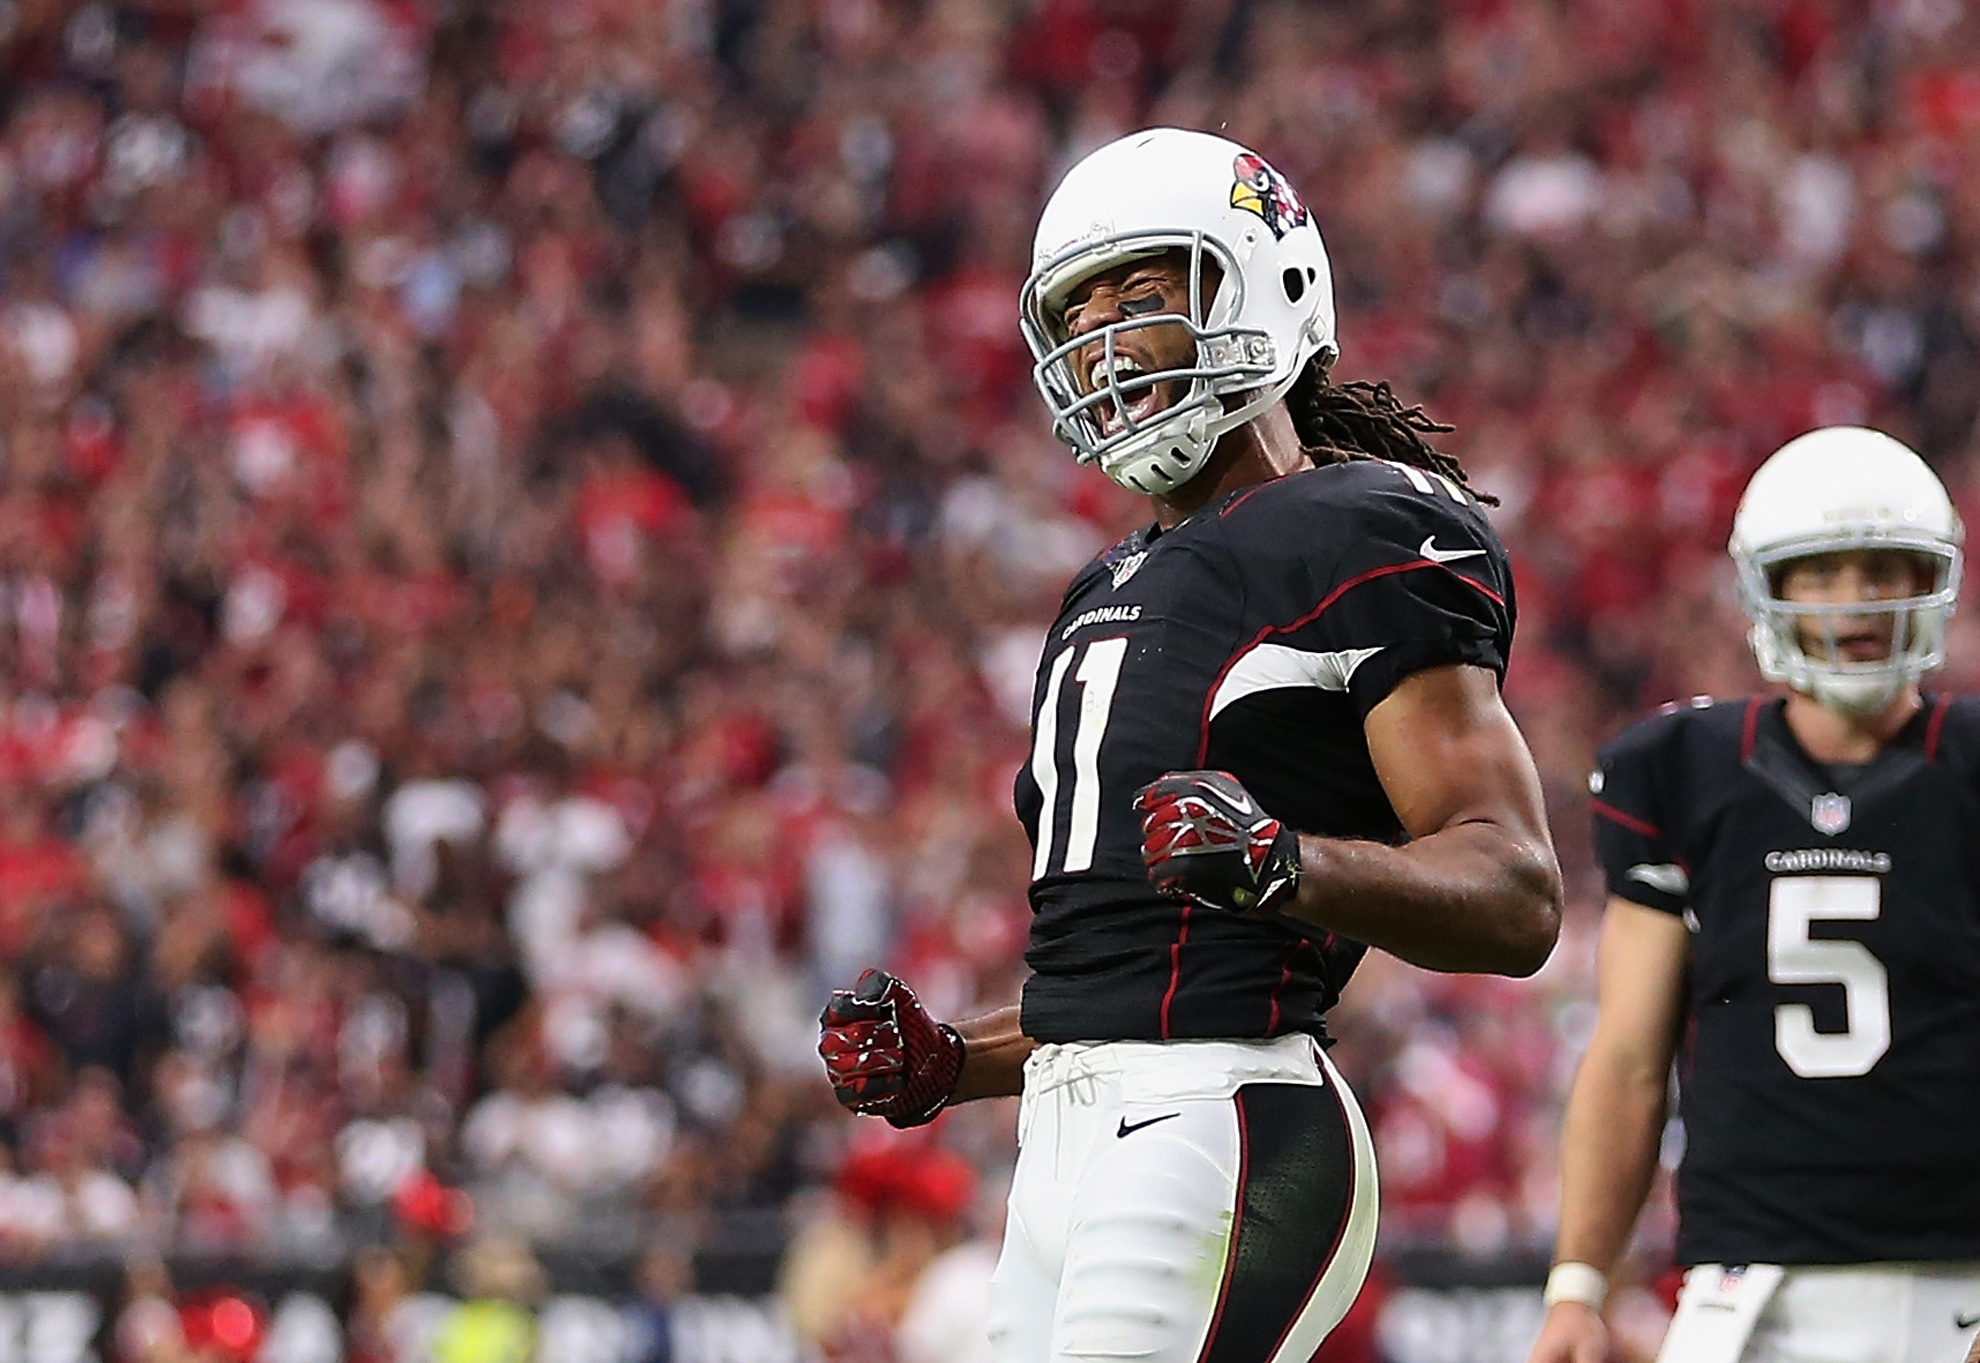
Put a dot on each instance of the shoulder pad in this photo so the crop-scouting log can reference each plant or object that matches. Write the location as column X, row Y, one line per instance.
column 1953, row 719
column 1363, row 502
column 1703, row 717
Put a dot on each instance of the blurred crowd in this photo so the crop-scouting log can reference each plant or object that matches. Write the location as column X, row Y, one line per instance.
column 525, row 532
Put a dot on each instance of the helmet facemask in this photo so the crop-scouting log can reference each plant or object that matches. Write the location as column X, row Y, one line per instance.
column 1918, row 622
column 1228, row 383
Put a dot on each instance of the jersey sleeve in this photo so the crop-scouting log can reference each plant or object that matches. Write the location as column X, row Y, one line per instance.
column 1629, row 799
column 1398, row 572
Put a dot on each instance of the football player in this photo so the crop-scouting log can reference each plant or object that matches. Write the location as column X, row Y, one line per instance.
column 1793, row 885
column 1267, row 731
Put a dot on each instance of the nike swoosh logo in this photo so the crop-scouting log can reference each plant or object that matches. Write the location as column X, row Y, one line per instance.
column 1127, row 1130
column 1965, row 1322
column 1430, row 551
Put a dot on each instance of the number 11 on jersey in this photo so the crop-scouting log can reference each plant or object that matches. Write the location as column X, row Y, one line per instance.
column 1097, row 675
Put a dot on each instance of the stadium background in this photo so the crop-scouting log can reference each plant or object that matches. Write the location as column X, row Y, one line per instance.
column 524, row 531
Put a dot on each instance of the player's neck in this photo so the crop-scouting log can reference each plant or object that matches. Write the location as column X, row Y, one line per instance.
column 1262, row 449
column 1829, row 735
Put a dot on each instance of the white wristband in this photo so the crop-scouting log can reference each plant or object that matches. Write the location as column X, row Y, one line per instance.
column 1582, row 1283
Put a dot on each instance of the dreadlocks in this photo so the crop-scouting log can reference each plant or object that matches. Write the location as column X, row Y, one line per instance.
column 1360, row 420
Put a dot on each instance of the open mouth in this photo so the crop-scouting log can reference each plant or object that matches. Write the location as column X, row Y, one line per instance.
column 1863, row 647
column 1133, row 404
column 1856, row 644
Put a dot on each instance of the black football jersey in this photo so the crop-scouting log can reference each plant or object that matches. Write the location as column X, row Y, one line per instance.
column 1829, row 1080
column 1253, row 638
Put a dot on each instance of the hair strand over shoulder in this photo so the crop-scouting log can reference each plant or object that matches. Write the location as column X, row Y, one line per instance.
column 1362, row 420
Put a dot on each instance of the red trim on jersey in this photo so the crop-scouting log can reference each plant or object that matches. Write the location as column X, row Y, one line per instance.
column 1285, row 978
column 1629, row 821
column 1347, row 1219
column 1932, row 727
column 1237, row 1223
column 1748, row 727
column 1242, row 498
column 1387, row 570
column 1175, row 967
column 1490, row 595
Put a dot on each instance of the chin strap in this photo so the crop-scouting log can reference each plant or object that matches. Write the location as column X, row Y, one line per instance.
column 1857, row 696
column 1167, row 465
column 1861, row 694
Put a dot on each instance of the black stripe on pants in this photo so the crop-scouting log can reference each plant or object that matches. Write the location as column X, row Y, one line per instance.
column 1295, row 1188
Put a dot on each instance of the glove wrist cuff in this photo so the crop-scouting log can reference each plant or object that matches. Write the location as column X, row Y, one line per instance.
column 945, row 1071
column 1296, row 872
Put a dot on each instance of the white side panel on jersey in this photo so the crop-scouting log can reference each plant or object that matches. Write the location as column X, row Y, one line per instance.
column 1273, row 667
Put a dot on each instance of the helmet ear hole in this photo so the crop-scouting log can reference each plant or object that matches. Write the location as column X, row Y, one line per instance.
column 1294, row 283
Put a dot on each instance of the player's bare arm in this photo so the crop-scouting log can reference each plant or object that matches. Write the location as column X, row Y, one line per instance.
column 994, row 1051
column 1477, row 888
column 1615, row 1113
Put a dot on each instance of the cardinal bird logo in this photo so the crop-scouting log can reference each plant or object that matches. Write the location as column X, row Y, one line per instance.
column 1262, row 190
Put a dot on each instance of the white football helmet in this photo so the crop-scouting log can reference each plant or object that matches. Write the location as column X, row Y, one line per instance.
column 1145, row 194
column 1846, row 487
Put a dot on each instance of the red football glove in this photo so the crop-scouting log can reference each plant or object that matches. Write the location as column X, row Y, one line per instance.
column 1204, row 838
column 885, row 1055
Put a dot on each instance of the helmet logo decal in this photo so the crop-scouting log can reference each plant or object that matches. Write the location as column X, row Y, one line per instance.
column 1262, row 190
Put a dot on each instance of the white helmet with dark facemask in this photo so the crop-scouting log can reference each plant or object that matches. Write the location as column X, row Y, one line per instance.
column 1835, row 489
column 1273, row 309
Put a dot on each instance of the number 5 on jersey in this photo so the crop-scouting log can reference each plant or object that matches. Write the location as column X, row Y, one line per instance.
column 1098, row 673
column 1796, row 904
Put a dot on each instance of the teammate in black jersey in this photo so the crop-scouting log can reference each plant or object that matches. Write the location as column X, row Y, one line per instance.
column 1794, row 914
column 1267, row 730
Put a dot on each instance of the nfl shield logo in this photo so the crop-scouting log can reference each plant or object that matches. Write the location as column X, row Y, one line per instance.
column 1125, row 568
column 1829, row 813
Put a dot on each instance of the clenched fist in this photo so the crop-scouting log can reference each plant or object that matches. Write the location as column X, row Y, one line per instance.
column 886, row 1057
column 1204, row 838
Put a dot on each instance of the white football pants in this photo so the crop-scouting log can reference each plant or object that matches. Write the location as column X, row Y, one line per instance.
column 1849, row 1313
column 1183, row 1202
